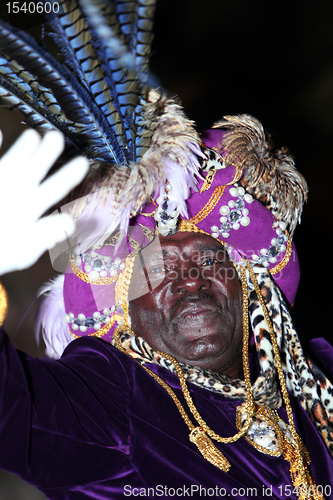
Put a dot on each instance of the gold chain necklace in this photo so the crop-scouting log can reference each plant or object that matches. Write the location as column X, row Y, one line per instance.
column 292, row 449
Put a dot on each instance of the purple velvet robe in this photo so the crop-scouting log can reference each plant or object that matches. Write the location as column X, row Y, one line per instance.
column 95, row 425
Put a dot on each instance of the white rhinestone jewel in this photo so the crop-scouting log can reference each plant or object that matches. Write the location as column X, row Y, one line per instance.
column 98, row 266
column 166, row 222
column 95, row 321
column 234, row 214
column 262, row 433
column 278, row 245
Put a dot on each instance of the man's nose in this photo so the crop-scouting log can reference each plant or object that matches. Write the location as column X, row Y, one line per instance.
column 190, row 278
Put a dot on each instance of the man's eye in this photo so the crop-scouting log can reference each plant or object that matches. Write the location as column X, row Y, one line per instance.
column 156, row 270
column 209, row 262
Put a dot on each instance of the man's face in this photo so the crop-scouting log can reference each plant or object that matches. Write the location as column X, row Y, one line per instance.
column 195, row 313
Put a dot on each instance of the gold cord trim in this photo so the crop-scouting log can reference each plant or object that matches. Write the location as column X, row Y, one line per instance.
column 285, row 259
column 208, row 450
column 151, row 214
column 121, row 297
column 153, row 202
column 210, row 205
column 111, row 240
column 148, row 233
column 186, row 226
column 122, row 286
column 245, row 357
column 3, row 304
column 197, row 435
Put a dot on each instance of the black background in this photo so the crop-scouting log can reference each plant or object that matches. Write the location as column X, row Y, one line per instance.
column 273, row 60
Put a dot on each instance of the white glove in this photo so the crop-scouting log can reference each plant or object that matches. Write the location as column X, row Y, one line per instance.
column 23, row 198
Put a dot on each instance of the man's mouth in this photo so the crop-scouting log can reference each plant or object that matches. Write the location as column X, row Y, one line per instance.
column 195, row 310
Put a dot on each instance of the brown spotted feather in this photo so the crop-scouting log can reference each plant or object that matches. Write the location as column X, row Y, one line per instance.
column 270, row 176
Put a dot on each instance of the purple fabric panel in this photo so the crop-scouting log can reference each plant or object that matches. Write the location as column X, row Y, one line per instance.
column 288, row 278
column 251, row 239
column 258, row 234
column 213, row 138
column 248, row 240
column 85, row 426
column 81, row 298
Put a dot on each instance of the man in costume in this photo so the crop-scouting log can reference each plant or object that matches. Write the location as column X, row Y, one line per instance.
column 182, row 262
column 125, row 426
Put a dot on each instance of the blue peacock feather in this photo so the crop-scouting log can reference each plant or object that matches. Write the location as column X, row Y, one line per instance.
column 92, row 90
column 89, row 79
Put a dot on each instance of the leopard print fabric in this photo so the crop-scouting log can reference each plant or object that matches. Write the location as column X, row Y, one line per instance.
column 303, row 378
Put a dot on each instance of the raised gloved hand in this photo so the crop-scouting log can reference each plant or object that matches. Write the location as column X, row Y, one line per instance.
column 24, row 198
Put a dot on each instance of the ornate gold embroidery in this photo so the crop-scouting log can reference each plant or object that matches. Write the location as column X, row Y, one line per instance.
column 186, row 226
column 264, row 415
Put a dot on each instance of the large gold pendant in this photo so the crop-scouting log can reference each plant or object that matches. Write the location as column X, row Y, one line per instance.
column 265, row 432
column 269, row 434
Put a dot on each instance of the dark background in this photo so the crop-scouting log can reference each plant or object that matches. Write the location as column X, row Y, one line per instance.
column 273, row 60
